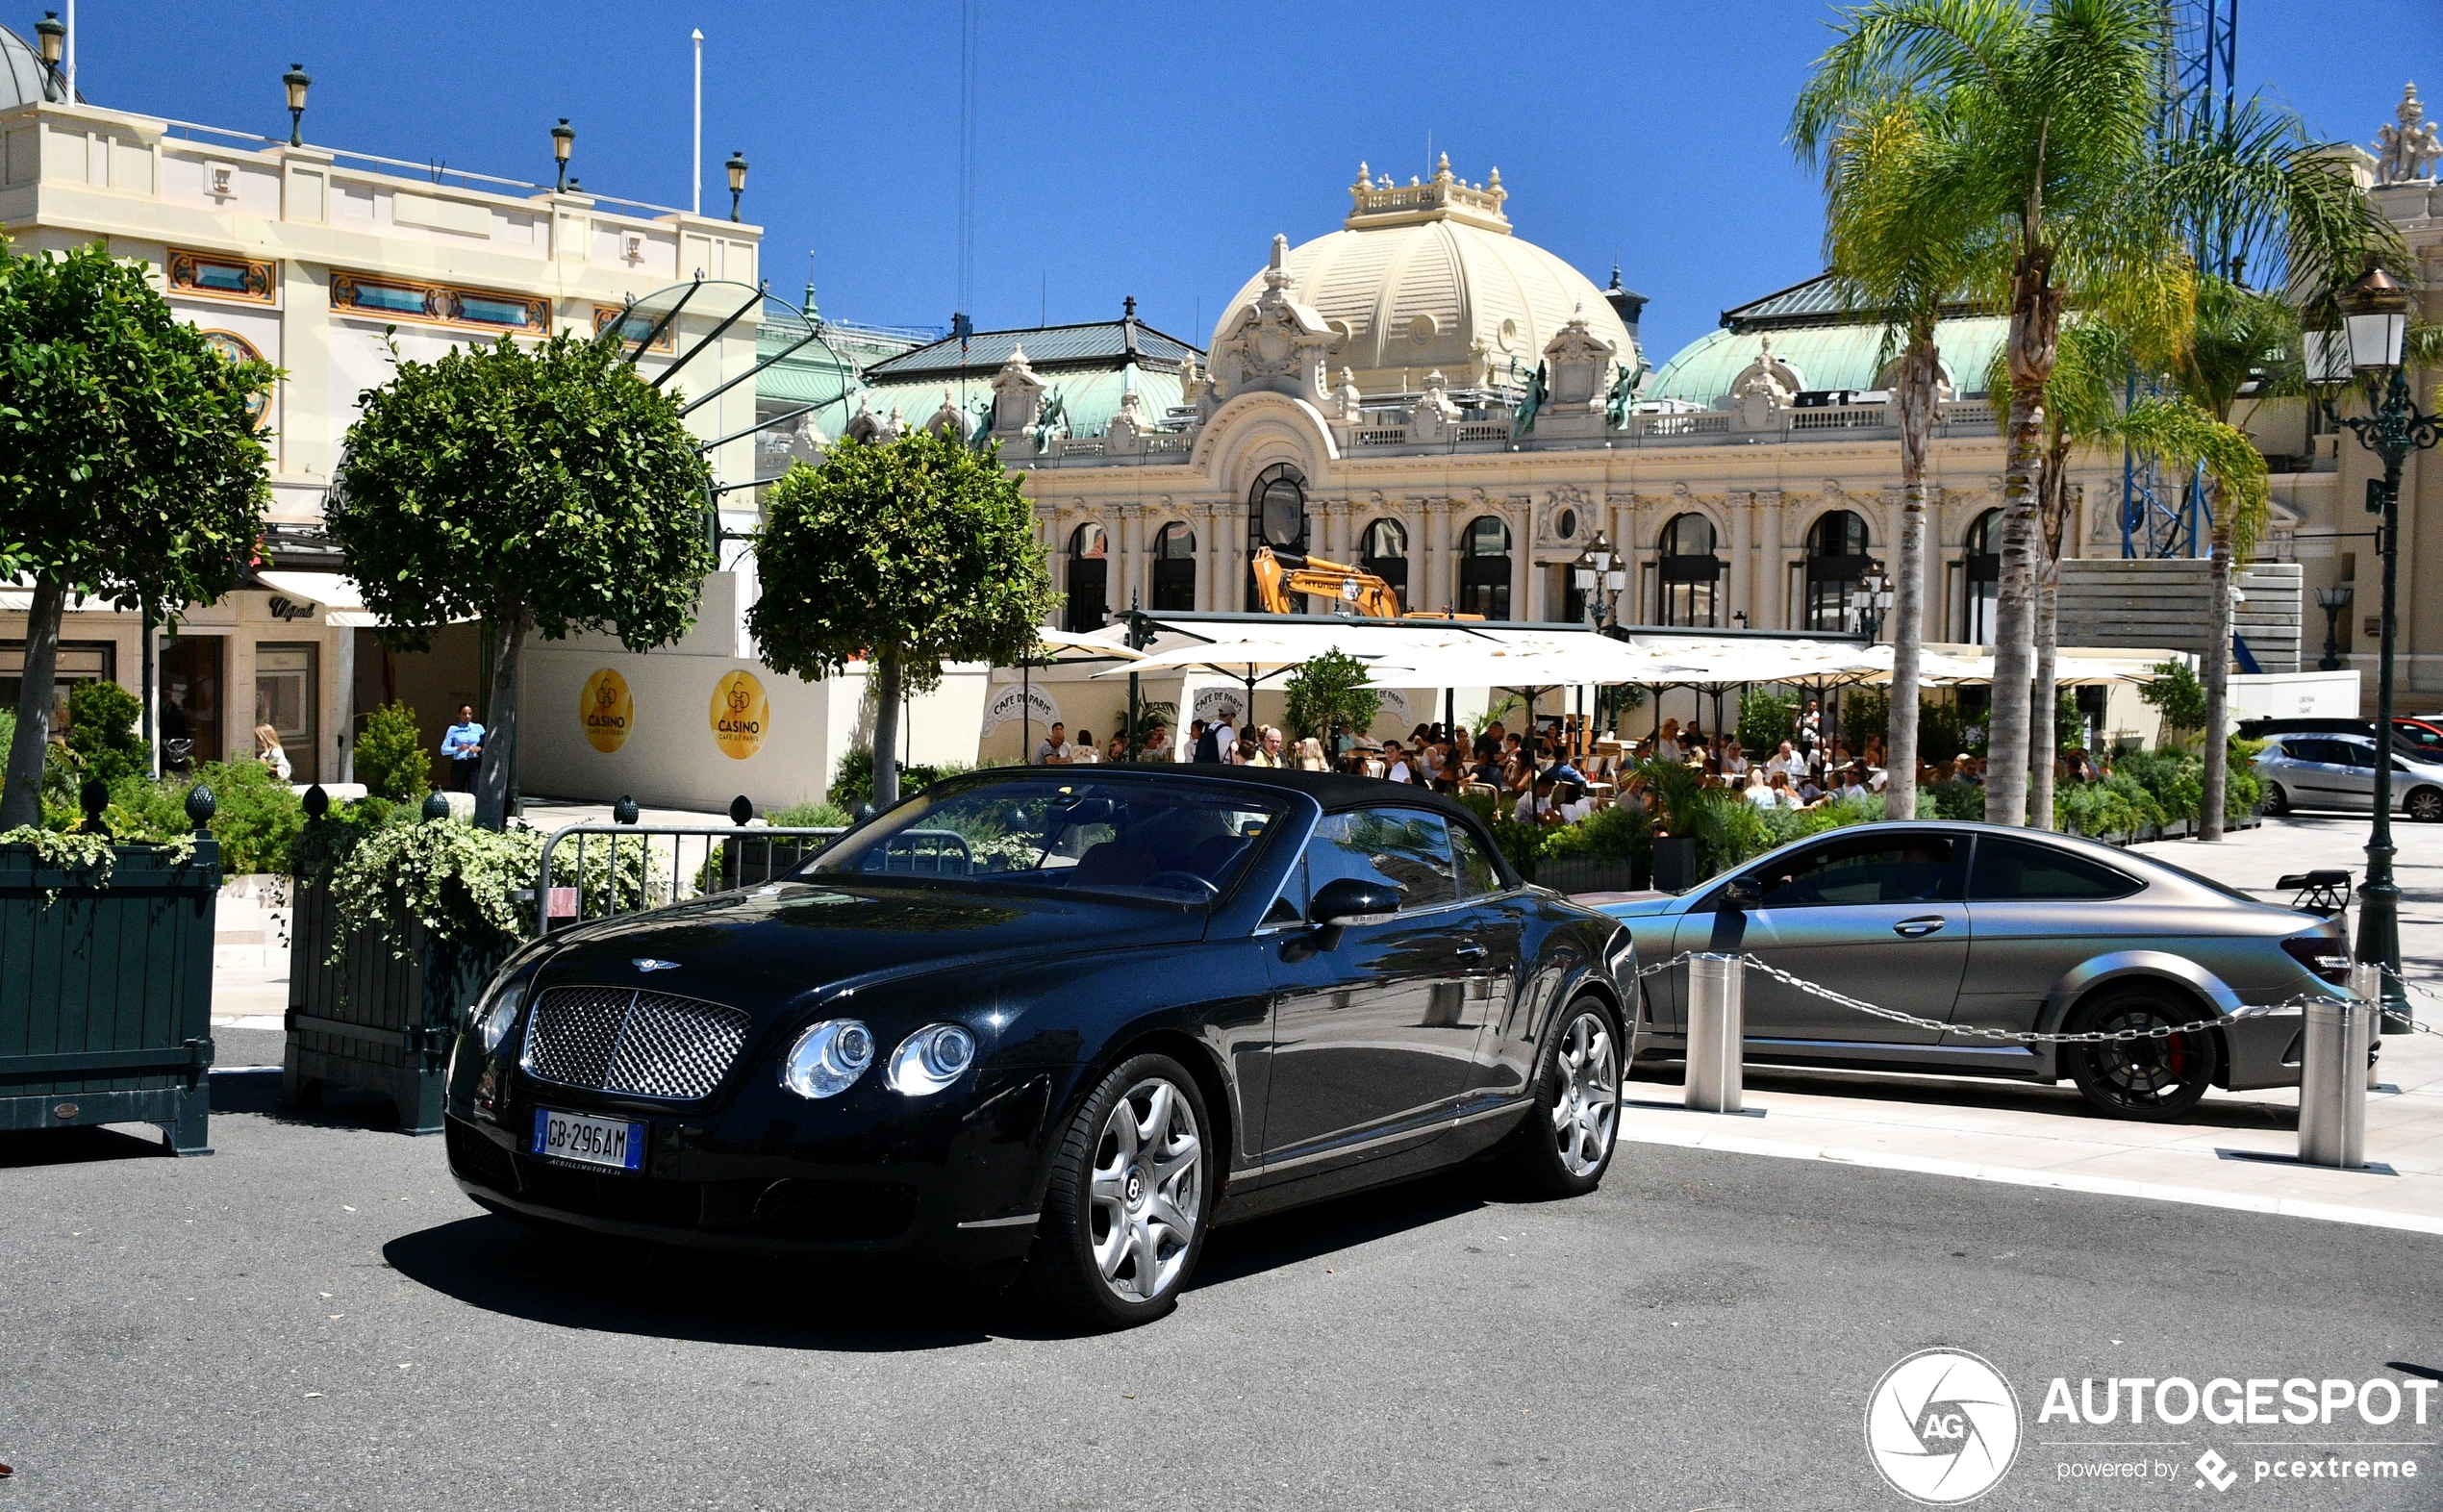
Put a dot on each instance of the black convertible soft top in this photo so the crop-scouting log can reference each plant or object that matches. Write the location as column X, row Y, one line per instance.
column 1332, row 789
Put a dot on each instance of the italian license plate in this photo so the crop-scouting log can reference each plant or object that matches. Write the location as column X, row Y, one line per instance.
column 616, row 1143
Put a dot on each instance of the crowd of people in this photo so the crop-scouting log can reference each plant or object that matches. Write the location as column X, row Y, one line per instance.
column 1545, row 777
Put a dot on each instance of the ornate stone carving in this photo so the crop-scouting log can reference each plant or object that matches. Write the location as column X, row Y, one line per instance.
column 1017, row 395
column 948, row 420
column 1345, row 400
column 1431, row 420
column 1130, row 426
column 867, row 426
column 1764, row 388
column 1567, row 518
column 1578, row 365
column 2405, row 153
column 1274, row 344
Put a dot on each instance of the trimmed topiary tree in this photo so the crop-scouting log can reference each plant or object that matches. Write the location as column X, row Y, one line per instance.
column 908, row 555
column 543, row 490
column 130, row 466
column 1331, row 692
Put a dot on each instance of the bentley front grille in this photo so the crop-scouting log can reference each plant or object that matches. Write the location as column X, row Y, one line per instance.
column 626, row 1040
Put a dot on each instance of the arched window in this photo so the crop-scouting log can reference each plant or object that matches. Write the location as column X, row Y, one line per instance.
column 1980, row 571
column 1688, row 574
column 1836, row 560
column 1089, row 572
column 1484, row 568
column 1276, row 517
column 1175, row 568
column 1383, row 551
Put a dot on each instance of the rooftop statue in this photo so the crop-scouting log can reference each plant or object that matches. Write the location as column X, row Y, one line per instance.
column 2405, row 153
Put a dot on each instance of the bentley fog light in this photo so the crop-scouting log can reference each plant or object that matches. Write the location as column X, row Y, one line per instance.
column 931, row 1059
column 828, row 1058
column 494, row 1021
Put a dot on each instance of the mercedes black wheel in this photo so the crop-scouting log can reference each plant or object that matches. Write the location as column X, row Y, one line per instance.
column 1565, row 1143
column 1130, row 1195
column 2156, row 1076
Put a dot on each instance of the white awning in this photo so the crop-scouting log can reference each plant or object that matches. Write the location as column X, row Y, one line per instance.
column 336, row 594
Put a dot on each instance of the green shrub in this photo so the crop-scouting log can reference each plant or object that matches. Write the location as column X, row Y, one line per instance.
column 102, row 720
column 2178, row 696
column 1766, row 719
column 1955, row 799
column 2118, row 805
column 809, row 816
column 257, row 817
column 853, row 784
column 391, row 759
column 1941, row 732
column 2243, row 784
column 2175, row 779
column 1619, row 833
column 1519, row 843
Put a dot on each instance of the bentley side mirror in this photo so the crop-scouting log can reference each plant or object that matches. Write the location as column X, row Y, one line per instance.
column 1742, row 893
column 1350, row 900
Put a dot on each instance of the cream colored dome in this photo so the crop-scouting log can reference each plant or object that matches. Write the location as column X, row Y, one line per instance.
column 1426, row 277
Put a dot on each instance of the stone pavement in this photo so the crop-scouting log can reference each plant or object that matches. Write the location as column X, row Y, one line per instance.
column 2046, row 1137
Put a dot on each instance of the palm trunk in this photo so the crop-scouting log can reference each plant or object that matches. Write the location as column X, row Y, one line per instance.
column 500, row 738
column 886, row 728
column 1919, row 374
column 22, row 803
column 2035, row 316
column 2043, row 698
column 2216, row 778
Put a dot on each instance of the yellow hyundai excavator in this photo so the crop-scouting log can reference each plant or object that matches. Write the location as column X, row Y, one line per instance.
column 1280, row 574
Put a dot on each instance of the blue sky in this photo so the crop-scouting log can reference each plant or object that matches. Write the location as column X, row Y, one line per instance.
column 1125, row 149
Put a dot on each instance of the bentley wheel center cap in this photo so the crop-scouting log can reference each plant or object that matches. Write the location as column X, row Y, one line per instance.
column 1136, row 1188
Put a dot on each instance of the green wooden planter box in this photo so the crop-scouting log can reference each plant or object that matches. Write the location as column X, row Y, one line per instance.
column 379, row 1019
column 106, row 993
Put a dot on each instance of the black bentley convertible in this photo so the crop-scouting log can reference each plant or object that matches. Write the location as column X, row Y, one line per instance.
column 1068, row 1019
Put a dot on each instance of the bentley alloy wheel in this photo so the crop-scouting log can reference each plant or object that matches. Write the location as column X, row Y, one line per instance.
column 1565, row 1143
column 1130, row 1199
column 1589, row 1104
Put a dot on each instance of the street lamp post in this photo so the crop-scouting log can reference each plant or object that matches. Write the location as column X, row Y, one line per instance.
column 737, row 167
column 52, row 37
column 297, row 81
column 2332, row 601
column 563, row 141
column 2374, row 319
column 1873, row 599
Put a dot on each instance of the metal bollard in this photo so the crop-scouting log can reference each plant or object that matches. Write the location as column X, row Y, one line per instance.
column 2366, row 984
column 1717, row 1033
column 2332, row 1088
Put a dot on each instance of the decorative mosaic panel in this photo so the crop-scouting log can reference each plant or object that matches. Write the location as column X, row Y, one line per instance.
column 637, row 324
column 237, row 349
column 439, row 304
column 216, row 276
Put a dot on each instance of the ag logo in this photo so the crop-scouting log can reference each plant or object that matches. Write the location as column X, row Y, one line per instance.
column 740, row 714
column 1942, row 1426
column 607, row 710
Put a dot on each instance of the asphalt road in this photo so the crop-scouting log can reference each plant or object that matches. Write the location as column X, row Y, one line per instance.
column 314, row 1318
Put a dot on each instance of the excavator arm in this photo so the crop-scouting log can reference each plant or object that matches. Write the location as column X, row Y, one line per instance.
column 1278, row 576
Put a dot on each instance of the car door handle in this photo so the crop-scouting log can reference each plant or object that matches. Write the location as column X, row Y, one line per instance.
column 1472, row 952
column 1920, row 928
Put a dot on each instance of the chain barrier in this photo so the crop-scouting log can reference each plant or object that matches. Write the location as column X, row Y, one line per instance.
column 2408, row 987
column 2160, row 1031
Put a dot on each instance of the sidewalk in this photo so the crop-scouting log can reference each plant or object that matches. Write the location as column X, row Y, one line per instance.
column 2046, row 1136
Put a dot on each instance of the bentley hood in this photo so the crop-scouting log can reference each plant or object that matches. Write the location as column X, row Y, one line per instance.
column 764, row 948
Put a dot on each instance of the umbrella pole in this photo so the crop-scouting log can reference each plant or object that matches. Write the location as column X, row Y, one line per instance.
column 1026, row 715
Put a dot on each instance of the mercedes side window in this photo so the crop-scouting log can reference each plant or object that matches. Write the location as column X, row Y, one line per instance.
column 1918, row 869
column 2017, row 871
column 1407, row 848
column 1478, row 874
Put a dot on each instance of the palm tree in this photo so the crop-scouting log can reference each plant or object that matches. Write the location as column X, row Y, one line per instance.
column 2045, row 154
column 1895, row 247
column 2256, row 186
column 2083, row 409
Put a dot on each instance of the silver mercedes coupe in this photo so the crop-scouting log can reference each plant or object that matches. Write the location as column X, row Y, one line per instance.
column 1967, row 927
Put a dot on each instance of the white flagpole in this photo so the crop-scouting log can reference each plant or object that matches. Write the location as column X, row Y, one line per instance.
column 698, row 174
column 71, row 52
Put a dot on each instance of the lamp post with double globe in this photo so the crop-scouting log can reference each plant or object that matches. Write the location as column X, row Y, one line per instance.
column 2374, row 318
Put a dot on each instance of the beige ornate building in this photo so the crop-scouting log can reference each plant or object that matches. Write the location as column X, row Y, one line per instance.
column 322, row 262
column 1360, row 403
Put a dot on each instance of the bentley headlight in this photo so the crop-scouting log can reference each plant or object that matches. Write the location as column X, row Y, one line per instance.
column 931, row 1059
column 828, row 1058
column 493, row 1021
